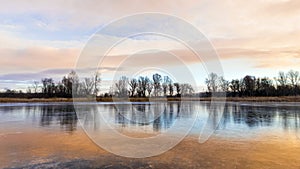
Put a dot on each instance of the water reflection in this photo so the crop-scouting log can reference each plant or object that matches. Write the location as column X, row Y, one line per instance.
column 51, row 116
column 64, row 115
column 161, row 117
column 285, row 117
column 151, row 117
column 157, row 117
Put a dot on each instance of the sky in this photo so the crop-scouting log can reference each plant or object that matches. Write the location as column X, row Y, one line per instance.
column 45, row 38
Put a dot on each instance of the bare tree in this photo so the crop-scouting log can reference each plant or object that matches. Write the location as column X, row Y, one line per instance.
column 61, row 88
column 149, row 87
column 178, row 89
column 88, row 86
column 97, row 82
column 212, row 82
column 133, row 84
column 121, row 86
column 35, row 86
column 157, row 83
column 235, row 86
column 28, row 89
column 224, row 84
column 264, row 86
column 186, row 89
column 171, row 89
column 48, row 85
column 165, row 84
column 282, row 84
column 71, row 82
column 165, row 88
column 293, row 76
column 142, row 86
column 282, row 79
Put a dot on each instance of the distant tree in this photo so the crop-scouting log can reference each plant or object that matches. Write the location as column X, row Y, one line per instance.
column 48, row 86
column 282, row 84
column 157, row 83
column 264, row 87
column 28, row 90
column 97, row 81
column 212, row 82
column 71, row 83
column 10, row 91
column 258, row 86
column 171, row 89
column 282, row 79
column 133, row 84
column 165, row 88
column 186, row 89
column 149, row 87
column 294, row 81
column 60, row 88
column 178, row 89
column 166, row 83
column 267, row 87
column 293, row 77
column 112, row 91
column 87, row 86
column 35, row 86
column 121, row 86
column 248, row 85
column 142, row 86
column 235, row 86
column 224, row 84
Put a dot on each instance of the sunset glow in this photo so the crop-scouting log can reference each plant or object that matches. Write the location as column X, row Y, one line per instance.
column 257, row 38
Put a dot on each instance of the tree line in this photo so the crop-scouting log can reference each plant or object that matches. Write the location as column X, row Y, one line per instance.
column 285, row 84
column 48, row 88
column 144, row 86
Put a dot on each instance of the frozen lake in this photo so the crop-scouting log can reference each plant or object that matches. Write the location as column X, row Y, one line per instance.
column 33, row 134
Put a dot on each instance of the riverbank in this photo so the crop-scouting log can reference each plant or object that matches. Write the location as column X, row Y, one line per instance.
column 109, row 99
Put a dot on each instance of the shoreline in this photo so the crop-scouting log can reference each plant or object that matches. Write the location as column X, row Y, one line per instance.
column 108, row 99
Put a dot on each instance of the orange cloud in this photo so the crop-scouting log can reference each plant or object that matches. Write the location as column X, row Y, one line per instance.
column 33, row 59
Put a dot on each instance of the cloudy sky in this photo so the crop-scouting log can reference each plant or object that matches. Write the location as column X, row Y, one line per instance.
column 44, row 38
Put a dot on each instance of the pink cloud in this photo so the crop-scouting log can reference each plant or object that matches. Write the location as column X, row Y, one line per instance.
column 37, row 58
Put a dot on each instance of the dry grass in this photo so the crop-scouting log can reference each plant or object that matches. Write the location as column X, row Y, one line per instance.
column 25, row 100
column 109, row 99
column 265, row 99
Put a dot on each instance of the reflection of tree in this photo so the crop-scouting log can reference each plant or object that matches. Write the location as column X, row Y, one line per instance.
column 64, row 114
column 215, row 114
column 160, row 116
column 289, row 118
column 254, row 116
column 237, row 114
column 226, row 116
column 167, row 117
column 249, row 115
